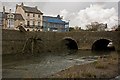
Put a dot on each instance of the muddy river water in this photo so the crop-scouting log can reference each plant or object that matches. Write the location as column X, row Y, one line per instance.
column 44, row 65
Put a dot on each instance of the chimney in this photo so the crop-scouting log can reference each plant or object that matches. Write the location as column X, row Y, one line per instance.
column 58, row 16
column 22, row 4
column 9, row 10
column 36, row 7
column 16, row 6
column 3, row 9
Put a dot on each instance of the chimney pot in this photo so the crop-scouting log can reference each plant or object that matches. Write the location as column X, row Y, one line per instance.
column 35, row 6
column 3, row 9
column 22, row 4
column 10, row 11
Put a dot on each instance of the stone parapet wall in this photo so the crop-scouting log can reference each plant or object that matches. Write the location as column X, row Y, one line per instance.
column 13, row 41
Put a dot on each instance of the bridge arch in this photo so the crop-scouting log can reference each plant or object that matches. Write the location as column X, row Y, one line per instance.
column 70, row 43
column 103, row 45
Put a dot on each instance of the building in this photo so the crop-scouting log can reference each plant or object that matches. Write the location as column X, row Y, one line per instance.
column 55, row 24
column 11, row 20
column 1, row 18
column 31, row 15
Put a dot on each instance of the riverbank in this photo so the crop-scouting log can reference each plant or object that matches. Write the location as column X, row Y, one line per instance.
column 39, row 66
column 104, row 67
column 52, row 65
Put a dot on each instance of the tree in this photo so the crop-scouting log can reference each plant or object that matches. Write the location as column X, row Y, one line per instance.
column 118, row 29
column 71, row 29
column 95, row 26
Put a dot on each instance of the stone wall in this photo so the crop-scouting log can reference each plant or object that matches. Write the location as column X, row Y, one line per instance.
column 39, row 42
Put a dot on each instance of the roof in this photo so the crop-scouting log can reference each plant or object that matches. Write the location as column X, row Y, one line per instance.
column 16, row 16
column 31, row 10
column 53, row 20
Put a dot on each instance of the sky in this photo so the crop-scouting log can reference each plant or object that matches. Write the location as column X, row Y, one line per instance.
column 78, row 13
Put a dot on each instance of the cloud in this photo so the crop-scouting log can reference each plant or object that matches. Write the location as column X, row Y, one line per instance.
column 93, row 13
column 1, row 7
column 68, row 16
column 50, row 15
column 64, row 13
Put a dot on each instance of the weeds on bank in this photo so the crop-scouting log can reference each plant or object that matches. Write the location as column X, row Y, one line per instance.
column 101, row 66
column 78, row 75
column 102, row 63
column 103, row 75
column 88, row 74
column 72, row 75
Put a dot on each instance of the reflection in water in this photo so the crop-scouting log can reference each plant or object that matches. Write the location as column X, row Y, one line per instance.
column 103, row 52
column 81, row 53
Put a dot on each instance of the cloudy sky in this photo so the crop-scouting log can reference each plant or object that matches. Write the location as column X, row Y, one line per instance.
column 79, row 13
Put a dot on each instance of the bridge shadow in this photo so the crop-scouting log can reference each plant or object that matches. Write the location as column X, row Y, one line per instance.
column 103, row 45
column 69, row 45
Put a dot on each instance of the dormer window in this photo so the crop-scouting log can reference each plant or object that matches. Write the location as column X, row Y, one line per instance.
column 11, row 16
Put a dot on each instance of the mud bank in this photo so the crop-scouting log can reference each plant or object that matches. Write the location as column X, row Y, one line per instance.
column 106, row 68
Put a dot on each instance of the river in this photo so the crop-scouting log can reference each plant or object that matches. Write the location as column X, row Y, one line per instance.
column 45, row 64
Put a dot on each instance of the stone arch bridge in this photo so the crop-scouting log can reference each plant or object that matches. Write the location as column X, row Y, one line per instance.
column 36, row 42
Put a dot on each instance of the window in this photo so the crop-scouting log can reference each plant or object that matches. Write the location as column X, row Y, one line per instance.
column 39, row 15
column 28, row 23
column 33, row 15
column 8, row 16
column 33, row 23
column 11, row 16
column 12, row 22
column 28, row 14
column 38, row 24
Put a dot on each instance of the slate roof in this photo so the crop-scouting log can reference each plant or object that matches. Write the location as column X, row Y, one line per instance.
column 16, row 16
column 31, row 10
column 53, row 20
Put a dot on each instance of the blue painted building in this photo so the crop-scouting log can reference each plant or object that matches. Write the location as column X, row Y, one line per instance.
column 55, row 24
